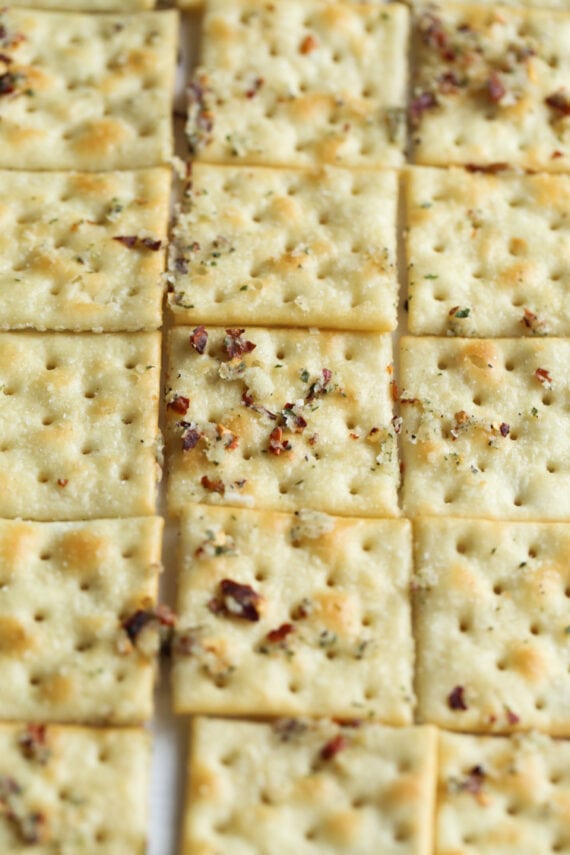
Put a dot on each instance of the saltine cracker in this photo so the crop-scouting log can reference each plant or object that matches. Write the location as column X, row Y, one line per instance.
column 309, row 786
column 490, row 87
column 83, row 251
column 500, row 796
column 78, row 425
column 488, row 255
column 283, row 247
column 486, row 427
column 294, row 419
column 83, row 91
column 330, row 631
column 300, row 83
column 73, row 789
column 492, row 625
column 67, row 591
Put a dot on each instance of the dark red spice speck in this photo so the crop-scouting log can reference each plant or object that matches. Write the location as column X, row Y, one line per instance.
column 333, row 746
column 456, row 699
column 418, row 106
column 474, row 781
column 276, row 443
column 281, row 633
column 308, row 45
column 254, row 89
column 559, row 101
column 8, row 82
column 495, row 88
column 190, row 435
column 234, row 344
column 134, row 242
column 199, row 339
column 179, row 404
column 33, row 743
column 217, row 486
column 505, row 429
column 543, row 376
column 236, row 600
column 512, row 717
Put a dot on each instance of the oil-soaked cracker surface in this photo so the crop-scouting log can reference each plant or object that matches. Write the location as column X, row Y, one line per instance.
column 82, row 251
column 73, row 789
column 500, row 796
column 329, row 628
column 293, row 419
column 78, row 425
column 488, row 255
column 497, row 595
column 283, row 247
column 486, row 428
column 85, row 91
column 490, row 87
column 300, row 83
column 310, row 787
column 66, row 592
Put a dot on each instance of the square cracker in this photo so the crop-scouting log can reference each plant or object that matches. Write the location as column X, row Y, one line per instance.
column 300, row 83
column 492, row 624
column 500, row 796
column 310, row 787
column 85, row 91
column 486, row 428
column 506, row 258
column 66, row 589
column 65, row 256
column 73, row 789
column 491, row 87
column 302, row 248
column 330, row 633
column 302, row 420
column 78, row 425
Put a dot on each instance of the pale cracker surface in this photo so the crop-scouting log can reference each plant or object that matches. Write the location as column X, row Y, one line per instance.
column 486, row 427
column 309, row 787
column 333, row 634
column 500, row 796
column 86, row 91
column 483, row 76
column 300, row 83
column 344, row 460
column 86, row 5
column 78, row 425
column 76, row 790
column 492, row 625
column 65, row 591
column 301, row 248
column 61, row 266
column 493, row 249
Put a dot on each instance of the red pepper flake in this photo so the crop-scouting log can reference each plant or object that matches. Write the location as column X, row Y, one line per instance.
column 422, row 102
column 308, row 44
column 8, row 82
column 293, row 421
column 435, row 36
column 333, row 746
column 276, row 443
column 134, row 242
column 556, row 154
column 200, row 116
column 495, row 88
column 559, row 101
column 280, row 634
column 216, row 486
column 448, row 83
column 234, row 345
column 179, row 404
column 199, row 339
column 543, row 376
column 33, row 744
column 474, row 781
column 254, row 89
column 456, row 699
column 487, row 168
column 62, row 482
column 512, row 717
column 504, row 429
column 135, row 623
column 236, row 600
column 191, row 435
column 320, row 386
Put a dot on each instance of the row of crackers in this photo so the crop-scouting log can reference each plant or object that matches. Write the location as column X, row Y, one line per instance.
column 290, row 84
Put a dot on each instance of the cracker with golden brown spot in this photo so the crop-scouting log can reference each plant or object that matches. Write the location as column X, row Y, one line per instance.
column 83, row 91
column 281, row 420
column 78, row 425
column 488, row 254
column 499, row 796
column 486, row 428
column 73, row 789
column 492, row 624
column 329, row 631
column 300, row 83
column 67, row 591
column 302, row 248
column 82, row 251
column 310, row 787
column 490, row 87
